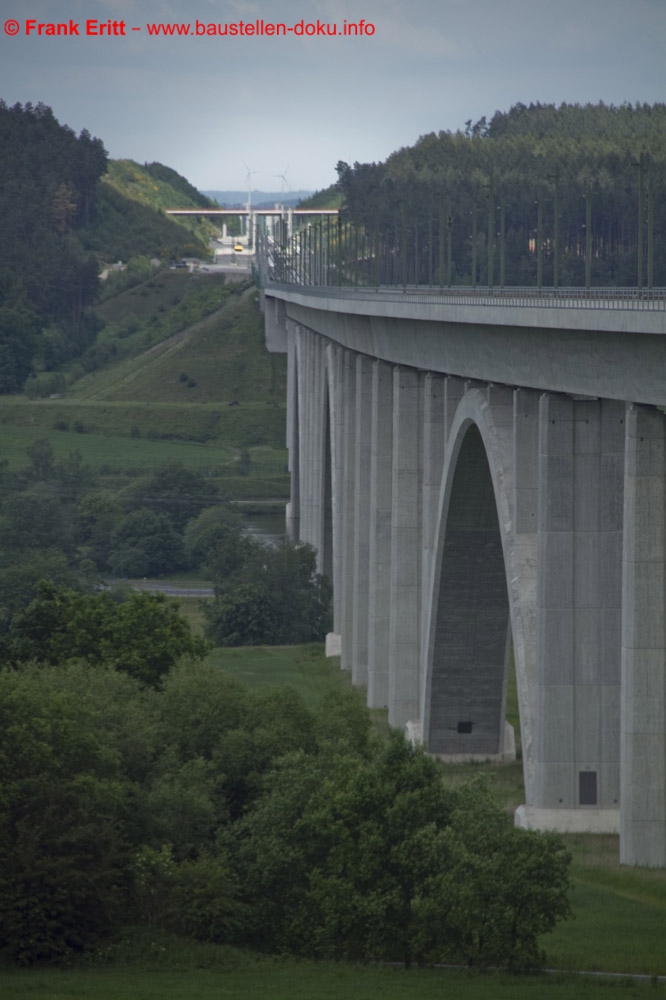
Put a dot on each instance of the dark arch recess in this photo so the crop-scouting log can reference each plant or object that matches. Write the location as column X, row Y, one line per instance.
column 467, row 696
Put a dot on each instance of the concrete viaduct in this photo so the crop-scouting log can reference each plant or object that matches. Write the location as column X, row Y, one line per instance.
column 485, row 477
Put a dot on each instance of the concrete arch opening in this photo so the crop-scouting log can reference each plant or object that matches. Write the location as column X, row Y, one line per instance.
column 471, row 628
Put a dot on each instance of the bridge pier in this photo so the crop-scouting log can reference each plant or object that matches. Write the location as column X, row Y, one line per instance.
column 578, row 612
column 643, row 726
column 405, row 595
column 462, row 518
column 347, row 491
column 361, row 569
column 381, row 507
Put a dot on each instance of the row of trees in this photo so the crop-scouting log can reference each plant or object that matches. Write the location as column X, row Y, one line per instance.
column 242, row 816
column 568, row 195
column 57, row 523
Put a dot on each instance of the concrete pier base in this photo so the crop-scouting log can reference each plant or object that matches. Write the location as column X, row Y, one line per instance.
column 605, row 821
column 333, row 645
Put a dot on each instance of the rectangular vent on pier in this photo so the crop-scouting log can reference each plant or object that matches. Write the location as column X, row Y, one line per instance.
column 587, row 788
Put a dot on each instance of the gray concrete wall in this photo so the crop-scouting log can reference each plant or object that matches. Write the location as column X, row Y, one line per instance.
column 381, row 512
column 605, row 353
column 643, row 726
column 579, row 603
column 406, row 524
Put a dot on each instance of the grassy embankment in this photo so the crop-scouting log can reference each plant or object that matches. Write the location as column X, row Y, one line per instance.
column 175, row 352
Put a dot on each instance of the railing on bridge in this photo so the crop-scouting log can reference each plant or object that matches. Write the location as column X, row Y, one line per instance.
column 565, row 298
column 345, row 261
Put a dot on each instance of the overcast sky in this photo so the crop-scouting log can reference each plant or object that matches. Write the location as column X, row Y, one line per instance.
column 214, row 107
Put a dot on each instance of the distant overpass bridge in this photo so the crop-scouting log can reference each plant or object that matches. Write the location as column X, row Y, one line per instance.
column 484, row 471
column 288, row 215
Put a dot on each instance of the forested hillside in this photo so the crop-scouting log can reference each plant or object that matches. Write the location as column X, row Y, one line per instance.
column 58, row 225
column 151, row 188
column 557, row 188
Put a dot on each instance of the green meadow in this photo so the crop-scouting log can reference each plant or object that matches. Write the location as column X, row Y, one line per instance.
column 209, row 973
column 179, row 373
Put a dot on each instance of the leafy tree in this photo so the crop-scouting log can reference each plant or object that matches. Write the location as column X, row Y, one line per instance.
column 176, row 491
column 373, row 857
column 245, row 616
column 145, row 543
column 74, row 476
column 489, row 889
column 215, row 530
column 41, row 456
column 276, row 597
column 63, row 799
column 35, row 519
column 97, row 515
column 219, row 741
column 19, row 332
column 143, row 635
column 20, row 579
column 196, row 898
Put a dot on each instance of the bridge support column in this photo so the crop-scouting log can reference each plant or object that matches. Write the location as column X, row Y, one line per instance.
column 361, row 567
column 525, row 507
column 381, row 500
column 293, row 507
column 643, row 724
column 335, row 369
column 320, row 455
column 434, row 449
column 348, row 538
column 405, row 606
column 578, row 607
column 309, row 457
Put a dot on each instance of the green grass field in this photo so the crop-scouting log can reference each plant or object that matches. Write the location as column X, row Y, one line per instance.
column 176, row 971
column 185, row 377
column 304, row 667
column 197, row 342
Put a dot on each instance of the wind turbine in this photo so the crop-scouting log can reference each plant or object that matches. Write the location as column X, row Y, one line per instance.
column 283, row 178
column 248, row 178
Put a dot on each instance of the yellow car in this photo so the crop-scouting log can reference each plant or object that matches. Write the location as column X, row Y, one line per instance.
column 239, row 248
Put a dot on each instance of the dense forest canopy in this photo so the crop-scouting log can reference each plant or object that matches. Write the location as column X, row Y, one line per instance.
column 570, row 195
column 48, row 182
column 58, row 224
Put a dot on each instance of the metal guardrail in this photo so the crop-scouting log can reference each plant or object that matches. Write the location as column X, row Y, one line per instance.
column 562, row 298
